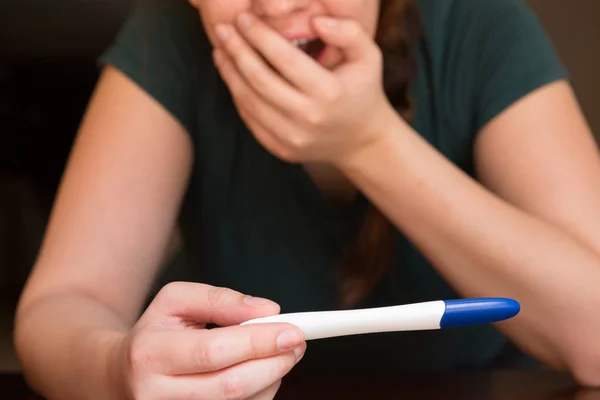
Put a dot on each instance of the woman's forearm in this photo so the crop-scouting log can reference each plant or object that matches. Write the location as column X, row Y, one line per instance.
column 484, row 246
column 68, row 346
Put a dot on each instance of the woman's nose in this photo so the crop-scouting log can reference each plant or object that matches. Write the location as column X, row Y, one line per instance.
column 278, row 8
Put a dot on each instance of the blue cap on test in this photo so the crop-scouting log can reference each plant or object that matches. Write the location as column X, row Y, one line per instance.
column 465, row 312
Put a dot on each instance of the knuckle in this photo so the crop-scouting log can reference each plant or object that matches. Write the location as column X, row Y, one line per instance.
column 352, row 30
column 229, row 73
column 140, row 358
column 254, row 345
column 298, row 142
column 169, row 288
column 225, row 71
column 251, row 69
column 169, row 296
column 230, row 387
column 205, row 356
column 261, row 83
column 314, row 117
column 332, row 93
column 219, row 295
column 168, row 291
column 234, row 46
column 208, row 354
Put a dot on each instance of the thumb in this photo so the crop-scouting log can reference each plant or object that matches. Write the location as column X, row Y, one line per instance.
column 207, row 304
column 347, row 35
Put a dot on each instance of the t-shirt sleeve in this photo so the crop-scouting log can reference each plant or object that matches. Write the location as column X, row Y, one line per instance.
column 511, row 54
column 158, row 49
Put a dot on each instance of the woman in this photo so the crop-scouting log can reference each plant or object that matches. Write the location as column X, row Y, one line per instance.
column 320, row 154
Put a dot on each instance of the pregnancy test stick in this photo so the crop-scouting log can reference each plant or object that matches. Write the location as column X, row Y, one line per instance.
column 430, row 315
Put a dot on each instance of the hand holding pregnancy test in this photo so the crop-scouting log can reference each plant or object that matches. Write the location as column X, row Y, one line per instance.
column 311, row 94
column 431, row 315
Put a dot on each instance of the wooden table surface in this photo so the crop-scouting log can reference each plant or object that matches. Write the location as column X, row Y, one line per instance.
column 499, row 385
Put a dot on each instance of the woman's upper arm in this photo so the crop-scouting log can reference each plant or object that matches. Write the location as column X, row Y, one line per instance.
column 540, row 155
column 118, row 201
column 532, row 145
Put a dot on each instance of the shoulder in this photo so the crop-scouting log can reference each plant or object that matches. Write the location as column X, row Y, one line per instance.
column 162, row 47
column 463, row 25
column 161, row 27
column 449, row 15
column 488, row 54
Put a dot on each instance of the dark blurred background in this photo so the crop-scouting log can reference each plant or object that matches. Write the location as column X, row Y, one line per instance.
column 48, row 53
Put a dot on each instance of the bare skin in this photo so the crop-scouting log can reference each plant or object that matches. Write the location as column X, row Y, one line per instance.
column 528, row 228
column 80, row 296
column 79, row 317
column 540, row 246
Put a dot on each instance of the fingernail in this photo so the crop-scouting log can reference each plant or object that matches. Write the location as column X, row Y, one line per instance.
column 289, row 340
column 223, row 31
column 299, row 352
column 326, row 22
column 245, row 19
column 257, row 301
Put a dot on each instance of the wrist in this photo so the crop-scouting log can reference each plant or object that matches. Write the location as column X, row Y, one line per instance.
column 384, row 131
column 116, row 375
column 107, row 352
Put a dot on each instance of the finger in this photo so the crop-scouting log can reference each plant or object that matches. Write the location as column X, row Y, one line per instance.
column 269, row 393
column 258, row 75
column 276, row 133
column 242, row 94
column 259, row 115
column 241, row 381
column 208, row 304
column 244, row 105
column 294, row 64
column 195, row 351
column 347, row 35
column 264, row 136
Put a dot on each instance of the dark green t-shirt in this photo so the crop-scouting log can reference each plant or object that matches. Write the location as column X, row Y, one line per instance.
column 259, row 225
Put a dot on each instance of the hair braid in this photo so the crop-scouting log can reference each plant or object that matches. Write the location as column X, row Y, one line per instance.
column 370, row 257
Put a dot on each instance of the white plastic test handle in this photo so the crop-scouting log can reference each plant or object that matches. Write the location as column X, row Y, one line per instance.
column 327, row 324
column 438, row 314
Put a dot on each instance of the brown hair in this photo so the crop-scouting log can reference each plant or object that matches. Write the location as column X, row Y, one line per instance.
column 370, row 257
